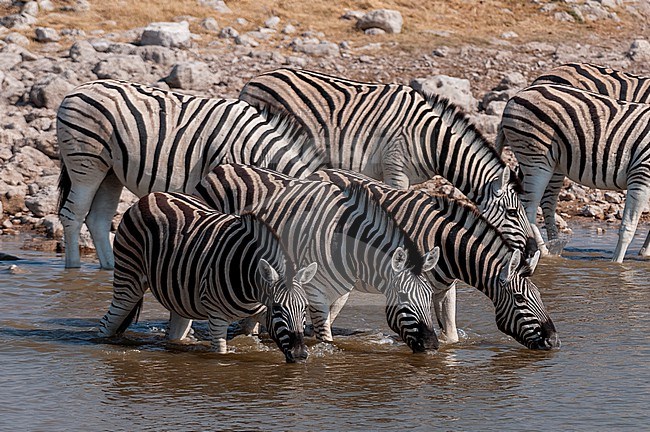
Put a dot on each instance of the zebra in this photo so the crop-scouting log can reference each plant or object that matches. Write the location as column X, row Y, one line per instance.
column 599, row 79
column 595, row 140
column 113, row 134
column 347, row 233
column 203, row 264
column 393, row 133
column 472, row 251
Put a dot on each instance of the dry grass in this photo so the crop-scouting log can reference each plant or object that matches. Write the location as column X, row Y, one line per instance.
column 466, row 21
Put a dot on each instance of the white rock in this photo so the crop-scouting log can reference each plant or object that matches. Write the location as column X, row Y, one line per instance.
column 289, row 29
column 353, row 15
column 159, row 55
column 120, row 67
column 228, row 33
column 374, row 31
column 45, row 5
column 457, row 90
column 47, row 34
column 386, row 19
column 17, row 39
column 52, row 225
column 246, row 40
column 217, row 5
column 44, row 202
column 272, row 22
column 49, row 91
column 210, row 24
column 30, row 8
column 639, row 50
column 318, row 49
column 167, row 34
column 20, row 21
column 191, row 75
column 82, row 51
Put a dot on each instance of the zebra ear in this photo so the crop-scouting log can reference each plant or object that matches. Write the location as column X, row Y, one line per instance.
column 531, row 264
column 501, row 182
column 431, row 259
column 306, row 274
column 510, row 271
column 399, row 259
column 268, row 272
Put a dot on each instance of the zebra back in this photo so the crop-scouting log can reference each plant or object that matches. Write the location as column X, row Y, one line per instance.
column 599, row 79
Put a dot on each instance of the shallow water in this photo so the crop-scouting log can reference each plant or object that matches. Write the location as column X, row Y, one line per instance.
column 55, row 374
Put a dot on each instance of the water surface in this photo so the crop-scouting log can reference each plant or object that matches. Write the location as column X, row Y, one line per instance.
column 55, row 374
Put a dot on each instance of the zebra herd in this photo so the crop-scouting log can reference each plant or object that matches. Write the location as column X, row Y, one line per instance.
column 285, row 200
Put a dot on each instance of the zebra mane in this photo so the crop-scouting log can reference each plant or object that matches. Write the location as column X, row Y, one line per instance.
column 250, row 218
column 461, row 125
column 358, row 192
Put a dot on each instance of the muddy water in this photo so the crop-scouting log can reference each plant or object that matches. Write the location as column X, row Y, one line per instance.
column 56, row 375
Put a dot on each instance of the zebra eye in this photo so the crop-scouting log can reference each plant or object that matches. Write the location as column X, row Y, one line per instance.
column 520, row 298
column 511, row 212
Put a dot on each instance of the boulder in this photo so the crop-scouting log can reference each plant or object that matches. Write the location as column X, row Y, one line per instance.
column 158, row 54
column 49, row 91
column 210, row 24
column 17, row 38
column 11, row 88
column 512, row 80
column 82, row 51
column 47, row 34
column 217, row 5
column 388, row 20
column 21, row 21
column 228, row 33
column 44, row 202
column 272, row 22
column 167, row 34
column 457, row 90
column 639, row 50
column 191, row 75
column 126, row 67
column 12, row 197
column 52, row 225
column 316, row 48
column 32, row 163
column 30, row 8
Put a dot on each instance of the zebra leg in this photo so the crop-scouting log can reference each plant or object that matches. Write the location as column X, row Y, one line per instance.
column 336, row 307
column 125, row 307
column 179, row 327
column 535, row 183
column 444, row 302
column 75, row 208
column 101, row 214
column 645, row 251
column 218, row 333
column 320, row 319
column 549, row 204
column 637, row 198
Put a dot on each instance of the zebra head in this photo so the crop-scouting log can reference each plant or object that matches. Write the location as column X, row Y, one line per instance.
column 286, row 305
column 502, row 208
column 409, row 297
column 520, row 312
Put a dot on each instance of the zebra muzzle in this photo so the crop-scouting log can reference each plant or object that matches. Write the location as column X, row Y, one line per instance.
column 296, row 351
column 425, row 340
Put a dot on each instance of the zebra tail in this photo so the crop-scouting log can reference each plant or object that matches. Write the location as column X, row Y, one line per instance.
column 131, row 318
column 65, row 184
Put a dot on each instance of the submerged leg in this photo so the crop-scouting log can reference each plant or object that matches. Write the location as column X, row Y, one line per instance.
column 179, row 327
column 549, row 204
column 444, row 302
column 536, row 180
column 128, row 292
column 637, row 198
column 218, row 333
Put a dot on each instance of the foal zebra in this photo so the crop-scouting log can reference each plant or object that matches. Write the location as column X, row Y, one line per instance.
column 472, row 251
column 350, row 237
column 595, row 140
column 202, row 264
column 392, row 133
column 113, row 134
column 599, row 79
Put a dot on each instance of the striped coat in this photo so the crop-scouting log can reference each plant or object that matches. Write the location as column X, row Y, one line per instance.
column 113, row 134
column 202, row 264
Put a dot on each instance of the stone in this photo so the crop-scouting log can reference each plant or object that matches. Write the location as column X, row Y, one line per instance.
column 82, row 51
column 228, row 33
column 210, row 24
column 17, row 38
column 30, row 8
column 272, row 22
column 457, row 90
column 44, row 202
column 167, row 34
column 563, row 17
column 78, row 6
column 509, row 35
column 120, row 67
column 47, row 34
column 217, row 5
column 52, row 225
column 32, row 163
column 12, row 197
column 1, row 208
column 11, row 88
column 593, row 211
column 487, row 124
column 374, row 31
column 158, row 54
column 512, row 80
column 495, row 108
column 317, row 49
column 191, row 75
column 49, row 91
column 353, row 15
column 289, row 29
column 386, row 19
column 100, row 45
column 639, row 50
column 46, row 5
column 9, row 59
column 21, row 21
column 614, row 197
column 246, row 40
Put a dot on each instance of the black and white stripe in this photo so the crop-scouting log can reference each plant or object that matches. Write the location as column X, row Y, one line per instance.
column 202, row 264
column 393, row 133
column 601, row 142
column 113, row 134
column 472, row 251
column 350, row 237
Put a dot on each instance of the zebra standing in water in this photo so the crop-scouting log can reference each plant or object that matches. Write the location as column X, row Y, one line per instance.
column 392, row 133
column 113, row 134
column 202, row 264
column 347, row 233
column 472, row 251
column 595, row 140
column 597, row 79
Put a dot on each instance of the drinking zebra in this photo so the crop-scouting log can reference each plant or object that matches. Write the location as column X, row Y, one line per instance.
column 595, row 140
column 472, row 251
column 202, row 264
column 347, row 233
column 392, row 133
column 599, row 79
column 113, row 134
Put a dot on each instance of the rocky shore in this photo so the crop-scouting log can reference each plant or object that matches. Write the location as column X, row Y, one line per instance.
column 217, row 54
